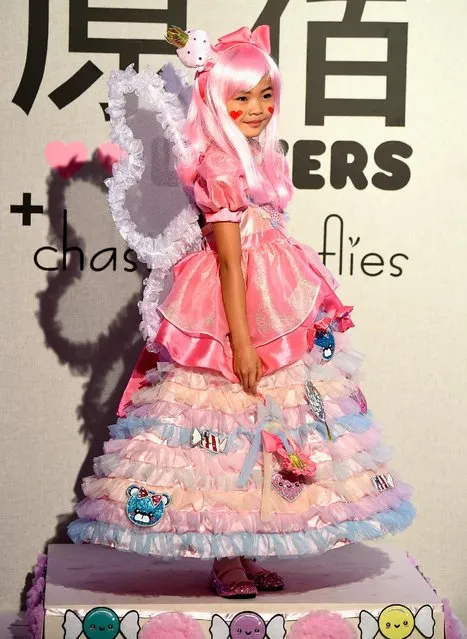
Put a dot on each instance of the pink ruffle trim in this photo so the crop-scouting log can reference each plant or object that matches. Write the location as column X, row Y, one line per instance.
column 287, row 517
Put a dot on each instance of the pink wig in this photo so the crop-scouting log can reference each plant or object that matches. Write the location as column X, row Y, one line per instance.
column 238, row 69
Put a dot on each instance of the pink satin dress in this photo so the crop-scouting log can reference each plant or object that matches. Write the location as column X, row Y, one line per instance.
column 191, row 453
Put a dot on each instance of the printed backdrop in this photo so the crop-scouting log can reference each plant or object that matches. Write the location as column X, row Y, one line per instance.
column 373, row 116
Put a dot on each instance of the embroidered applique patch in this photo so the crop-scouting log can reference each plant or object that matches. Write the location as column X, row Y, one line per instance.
column 145, row 507
column 209, row 441
column 383, row 482
column 326, row 341
column 288, row 489
column 359, row 397
column 317, row 405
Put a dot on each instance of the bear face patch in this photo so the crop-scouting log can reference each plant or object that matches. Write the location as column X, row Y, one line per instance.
column 325, row 340
column 145, row 507
column 289, row 489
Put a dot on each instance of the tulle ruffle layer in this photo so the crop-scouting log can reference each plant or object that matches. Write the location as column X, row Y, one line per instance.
column 205, row 545
column 152, row 447
column 217, row 522
column 146, row 458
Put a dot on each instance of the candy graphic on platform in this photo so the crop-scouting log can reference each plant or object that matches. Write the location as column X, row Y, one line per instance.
column 383, row 482
column 326, row 341
column 101, row 623
column 145, row 507
column 248, row 624
column 397, row 622
column 290, row 490
column 209, row 441
column 317, row 405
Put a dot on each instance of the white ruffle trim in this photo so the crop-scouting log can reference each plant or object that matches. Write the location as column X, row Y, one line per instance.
column 183, row 234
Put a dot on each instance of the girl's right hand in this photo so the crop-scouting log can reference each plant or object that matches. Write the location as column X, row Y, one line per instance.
column 247, row 366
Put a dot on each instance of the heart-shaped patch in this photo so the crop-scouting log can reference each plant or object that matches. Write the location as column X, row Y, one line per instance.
column 359, row 397
column 235, row 114
column 290, row 490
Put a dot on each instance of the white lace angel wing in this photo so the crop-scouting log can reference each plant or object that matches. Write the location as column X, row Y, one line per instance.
column 151, row 210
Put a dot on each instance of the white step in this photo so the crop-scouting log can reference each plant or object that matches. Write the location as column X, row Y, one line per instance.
column 346, row 580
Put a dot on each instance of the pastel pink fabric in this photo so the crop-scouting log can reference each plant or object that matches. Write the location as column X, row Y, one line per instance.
column 146, row 361
column 220, row 186
column 286, row 282
column 261, row 37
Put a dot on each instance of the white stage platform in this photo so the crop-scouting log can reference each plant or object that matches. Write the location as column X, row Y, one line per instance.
column 346, row 580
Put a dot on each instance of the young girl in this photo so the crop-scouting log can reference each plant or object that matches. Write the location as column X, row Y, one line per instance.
column 252, row 438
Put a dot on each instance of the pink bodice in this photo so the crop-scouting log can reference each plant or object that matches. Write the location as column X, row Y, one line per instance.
column 286, row 286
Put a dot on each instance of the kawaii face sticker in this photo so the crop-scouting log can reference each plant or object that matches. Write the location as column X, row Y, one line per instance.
column 397, row 622
column 248, row 625
column 101, row 623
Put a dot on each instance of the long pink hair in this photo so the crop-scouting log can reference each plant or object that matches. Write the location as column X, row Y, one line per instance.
column 238, row 69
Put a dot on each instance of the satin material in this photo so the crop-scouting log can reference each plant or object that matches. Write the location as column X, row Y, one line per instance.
column 286, row 287
column 220, row 185
column 146, row 361
column 259, row 37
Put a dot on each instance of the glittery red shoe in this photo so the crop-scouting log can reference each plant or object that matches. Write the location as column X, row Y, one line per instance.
column 266, row 580
column 232, row 590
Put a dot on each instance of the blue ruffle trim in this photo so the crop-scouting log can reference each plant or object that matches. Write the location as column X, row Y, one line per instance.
column 175, row 435
column 206, row 546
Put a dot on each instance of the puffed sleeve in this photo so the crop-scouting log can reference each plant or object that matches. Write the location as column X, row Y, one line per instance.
column 219, row 189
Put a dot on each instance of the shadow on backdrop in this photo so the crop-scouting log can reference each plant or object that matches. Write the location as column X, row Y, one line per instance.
column 88, row 311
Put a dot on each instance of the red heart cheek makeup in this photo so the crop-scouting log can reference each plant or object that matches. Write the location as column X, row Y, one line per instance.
column 235, row 114
column 271, row 110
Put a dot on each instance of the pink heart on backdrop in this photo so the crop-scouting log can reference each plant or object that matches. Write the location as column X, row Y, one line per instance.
column 109, row 153
column 66, row 159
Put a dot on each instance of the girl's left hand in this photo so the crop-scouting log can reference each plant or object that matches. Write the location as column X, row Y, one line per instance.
column 247, row 366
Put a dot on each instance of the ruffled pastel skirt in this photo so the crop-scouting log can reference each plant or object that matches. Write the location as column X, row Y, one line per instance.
column 158, row 490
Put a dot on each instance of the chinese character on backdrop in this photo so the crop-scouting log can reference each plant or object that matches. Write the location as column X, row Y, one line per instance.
column 392, row 108
column 271, row 14
column 81, row 15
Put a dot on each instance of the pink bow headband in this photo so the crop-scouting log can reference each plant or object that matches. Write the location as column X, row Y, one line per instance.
column 195, row 50
column 260, row 37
